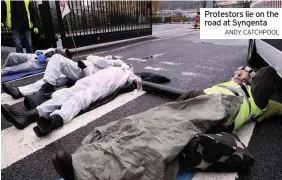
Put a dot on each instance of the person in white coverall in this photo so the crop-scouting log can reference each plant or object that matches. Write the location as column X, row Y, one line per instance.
column 66, row 103
column 60, row 70
column 22, row 62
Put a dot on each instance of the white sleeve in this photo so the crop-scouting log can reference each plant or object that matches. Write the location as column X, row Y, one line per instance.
column 131, row 77
column 46, row 51
column 87, row 71
column 103, row 63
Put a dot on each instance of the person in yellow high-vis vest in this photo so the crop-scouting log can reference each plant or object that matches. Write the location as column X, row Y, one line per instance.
column 162, row 129
column 20, row 17
column 256, row 88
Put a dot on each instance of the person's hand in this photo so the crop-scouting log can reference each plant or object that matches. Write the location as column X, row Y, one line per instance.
column 35, row 30
column 2, row 25
column 81, row 65
column 41, row 57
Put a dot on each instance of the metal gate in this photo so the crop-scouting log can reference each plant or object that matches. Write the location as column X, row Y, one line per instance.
column 91, row 22
column 94, row 22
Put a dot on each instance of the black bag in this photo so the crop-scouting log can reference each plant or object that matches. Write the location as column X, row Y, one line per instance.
column 216, row 153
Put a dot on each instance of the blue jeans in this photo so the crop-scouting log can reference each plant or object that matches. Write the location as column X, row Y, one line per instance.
column 17, row 37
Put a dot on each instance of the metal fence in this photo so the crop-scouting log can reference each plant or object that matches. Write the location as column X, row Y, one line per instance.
column 91, row 22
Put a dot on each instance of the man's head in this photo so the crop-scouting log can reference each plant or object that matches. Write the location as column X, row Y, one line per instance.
column 243, row 74
column 64, row 52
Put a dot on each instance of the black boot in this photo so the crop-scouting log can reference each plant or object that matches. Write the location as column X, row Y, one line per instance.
column 19, row 117
column 62, row 161
column 47, row 88
column 12, row 91
column 48, row 123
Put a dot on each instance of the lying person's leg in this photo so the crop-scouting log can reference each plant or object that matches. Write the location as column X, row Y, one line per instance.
column 22, row 118
column 272, row 109
column 24, row 67
column 68, row 100
column 264, row 84
column 58, row 65
column 22, row 63
column 86, row 91
column 18, row 92
column 69, row 109
column 17, row 58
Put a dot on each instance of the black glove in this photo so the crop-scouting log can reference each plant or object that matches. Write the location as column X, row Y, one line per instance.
column 81, row 65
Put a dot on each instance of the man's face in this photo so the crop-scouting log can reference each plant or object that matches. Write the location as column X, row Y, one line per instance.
column 241, row 76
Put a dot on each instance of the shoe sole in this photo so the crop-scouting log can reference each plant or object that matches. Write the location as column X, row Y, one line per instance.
column 8, row 91
column 38, row 133
column 41, row 122
column 9, row 117
column 60, row 166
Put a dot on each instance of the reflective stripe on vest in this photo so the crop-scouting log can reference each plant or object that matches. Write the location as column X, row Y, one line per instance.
column 9, row 15
column 248, row 107
column 236, row 93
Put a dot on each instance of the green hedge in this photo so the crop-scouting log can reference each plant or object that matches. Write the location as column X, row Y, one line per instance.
column 157, row 19
column 167, row 19
column 178, row 19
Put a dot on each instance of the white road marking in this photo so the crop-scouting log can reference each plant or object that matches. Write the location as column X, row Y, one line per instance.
column 137, row 59
column 17, row 144
column 144, row 59
column 171, row 63
column 218, row 43
column 210, row 68
column 245, row 134
column 190, row 74
column 160, row 32
column 154, row 40
column 7, row 99
column 214, row 176
column 155, row 69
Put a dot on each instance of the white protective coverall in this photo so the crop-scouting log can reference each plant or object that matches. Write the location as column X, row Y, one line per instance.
column 60, row 65
column 22, row 62
column 60, row 68
column 68, row 102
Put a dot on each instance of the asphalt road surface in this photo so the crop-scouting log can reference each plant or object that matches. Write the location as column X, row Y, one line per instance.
column 190, row 63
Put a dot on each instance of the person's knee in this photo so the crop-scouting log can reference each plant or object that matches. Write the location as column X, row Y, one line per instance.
column 12, row 55
column 55, row 59
column 58, row 58
column 266, row 72
column 18, row 43
column 270, row 70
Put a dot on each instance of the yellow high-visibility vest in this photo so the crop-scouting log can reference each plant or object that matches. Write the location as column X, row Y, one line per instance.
column 248, row 108
column 9, row 15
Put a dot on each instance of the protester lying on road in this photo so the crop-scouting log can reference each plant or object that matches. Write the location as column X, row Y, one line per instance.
column 142, row 146
column 22, row 62
column 66, row 103
column 61, row 70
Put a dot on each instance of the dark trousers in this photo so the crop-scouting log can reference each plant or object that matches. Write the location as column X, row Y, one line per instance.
column 264, row 84
column 17, row 37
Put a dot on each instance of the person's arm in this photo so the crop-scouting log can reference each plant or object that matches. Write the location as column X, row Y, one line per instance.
column 32, row 14
column 3, row 12
column 132, row 77
column 86, row 70
column 103, row 63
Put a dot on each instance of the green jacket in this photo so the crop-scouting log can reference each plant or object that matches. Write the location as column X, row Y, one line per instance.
column 248, row 109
